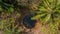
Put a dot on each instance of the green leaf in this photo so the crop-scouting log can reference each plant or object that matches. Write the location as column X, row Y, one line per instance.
column 46, row 19
column 37, row 17
column 0, row 8
column 11, row 9
column 42, row 9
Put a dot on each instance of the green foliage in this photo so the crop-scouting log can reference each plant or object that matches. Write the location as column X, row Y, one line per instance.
column 7, row 24
column 48, row 12
column 5, row 7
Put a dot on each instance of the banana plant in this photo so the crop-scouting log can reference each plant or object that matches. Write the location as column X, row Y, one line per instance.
column 48, row 11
